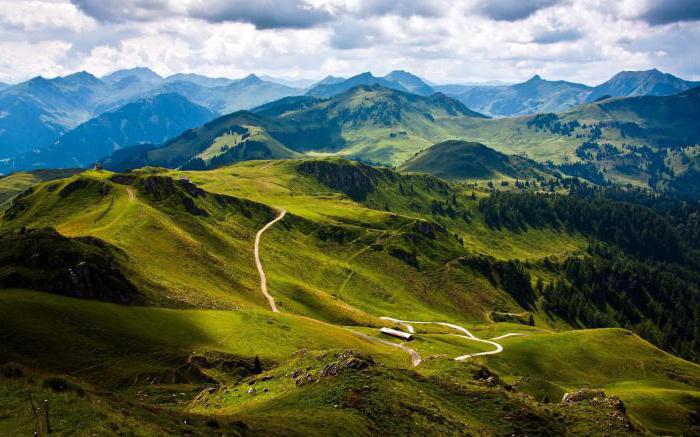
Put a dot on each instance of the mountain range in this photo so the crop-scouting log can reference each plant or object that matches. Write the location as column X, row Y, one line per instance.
column 357, row 121
column 37, row 112
column 390, row 119
column 150, row 120
column 539, row 95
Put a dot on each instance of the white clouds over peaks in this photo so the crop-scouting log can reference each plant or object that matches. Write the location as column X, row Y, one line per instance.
column 463, row 40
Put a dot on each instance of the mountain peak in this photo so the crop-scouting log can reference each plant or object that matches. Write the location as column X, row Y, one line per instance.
column 535, row 78
column 142, row 73
column 250, row 79
column 365, row 75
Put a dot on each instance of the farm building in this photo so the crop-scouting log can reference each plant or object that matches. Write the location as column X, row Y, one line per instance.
column 396, row 333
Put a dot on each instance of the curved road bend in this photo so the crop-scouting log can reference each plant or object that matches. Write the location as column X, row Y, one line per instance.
column 415, row 358
column 261, row 272
column 467, row 334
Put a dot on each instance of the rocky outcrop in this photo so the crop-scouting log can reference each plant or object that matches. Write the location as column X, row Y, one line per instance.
column 342, row 362
column 613, row 408
column 355, row 180
column 44, row 260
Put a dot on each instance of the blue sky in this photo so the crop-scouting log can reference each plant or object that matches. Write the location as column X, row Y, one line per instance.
column 444, row 41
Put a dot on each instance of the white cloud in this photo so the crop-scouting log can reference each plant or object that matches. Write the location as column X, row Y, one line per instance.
column 463, row 40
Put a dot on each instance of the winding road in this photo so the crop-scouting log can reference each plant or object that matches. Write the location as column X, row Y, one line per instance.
column 261, row 272
column 408, row 324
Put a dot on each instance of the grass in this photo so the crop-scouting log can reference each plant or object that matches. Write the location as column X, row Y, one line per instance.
column 614, row 360
column 129, row 344
column 334, row 265
column 13, row 184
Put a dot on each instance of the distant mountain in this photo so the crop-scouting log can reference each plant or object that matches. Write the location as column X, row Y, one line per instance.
column 398, row 80
column 199, row 80
column 410, row 82
column 36, row 112
column 330, row 80
column 4, row 85
column 151, row 120
column 334, row 88
column 640, row 83
column 538, row 95
column 292, row 83
column 246, row 93
column 141, row 73
column 462, row 160
column 368, row 122
column 535, row 95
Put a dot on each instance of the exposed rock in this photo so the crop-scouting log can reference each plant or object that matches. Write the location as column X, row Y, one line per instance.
column 123, row 178
column 159, row 187
column 73, row 186
column 343, row 361
column 83, row 267
column 428, row 229
column 582, row 394
column 597, row 399
column 355, row 180
column 192, row 208
column 191, row 188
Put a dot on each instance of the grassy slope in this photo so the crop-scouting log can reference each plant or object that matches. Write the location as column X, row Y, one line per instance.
column 460, row 160
column 13, row 184
column 658, row 388
column 185, row 260
column 355, row 273
column 129, row 344
column 350, row 283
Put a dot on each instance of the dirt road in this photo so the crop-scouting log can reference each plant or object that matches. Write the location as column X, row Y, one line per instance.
column 261, row 272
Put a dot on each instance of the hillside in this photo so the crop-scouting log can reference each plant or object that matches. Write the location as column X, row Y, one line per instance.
column 367, row 122
column 633, row 140
column 461, row 160
column 15, row 183
column 151, row 120
column 409, row 246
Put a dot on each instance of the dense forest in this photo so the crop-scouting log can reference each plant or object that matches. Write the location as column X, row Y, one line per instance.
column 642, row 267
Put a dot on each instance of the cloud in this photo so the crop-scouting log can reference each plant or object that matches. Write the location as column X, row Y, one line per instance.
column 403, row 8
column 511, row 10
column 661, row 12
column 557, row 36
column 353, row 34
column 443, row 40
column 263, row 14
column 117, row 11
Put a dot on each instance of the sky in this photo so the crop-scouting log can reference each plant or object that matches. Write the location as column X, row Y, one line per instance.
column 458, row 41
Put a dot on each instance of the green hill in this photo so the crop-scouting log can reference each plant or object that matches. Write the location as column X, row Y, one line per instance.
column 461, row 160
column 358, row 242
column 13, row 184
column 367, row 122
